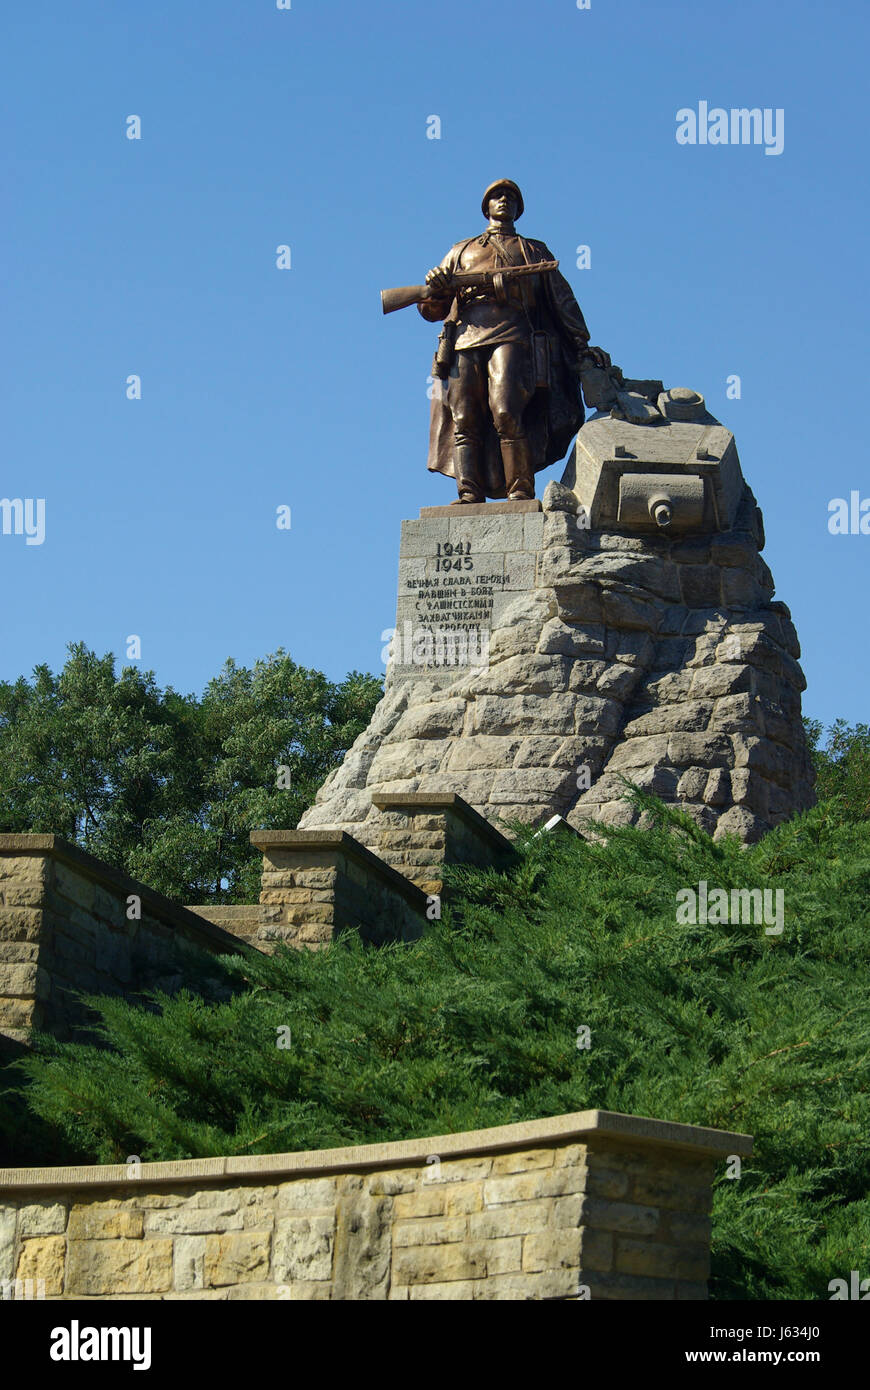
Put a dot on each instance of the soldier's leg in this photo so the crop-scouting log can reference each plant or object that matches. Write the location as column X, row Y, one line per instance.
column 467, row 396
column 510, row 390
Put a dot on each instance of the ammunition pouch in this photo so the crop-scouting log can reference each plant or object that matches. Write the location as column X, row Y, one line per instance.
column 446, row 350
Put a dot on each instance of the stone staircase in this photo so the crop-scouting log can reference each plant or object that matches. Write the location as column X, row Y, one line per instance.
column 317, row 884
column 70, row 923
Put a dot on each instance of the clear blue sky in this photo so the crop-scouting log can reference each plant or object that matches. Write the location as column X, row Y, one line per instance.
column 262, row 387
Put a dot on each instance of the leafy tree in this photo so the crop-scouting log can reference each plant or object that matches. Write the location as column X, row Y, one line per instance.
column 167, row 786
column 842, row 764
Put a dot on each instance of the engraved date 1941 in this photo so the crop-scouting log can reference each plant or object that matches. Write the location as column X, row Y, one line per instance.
column 453, row 555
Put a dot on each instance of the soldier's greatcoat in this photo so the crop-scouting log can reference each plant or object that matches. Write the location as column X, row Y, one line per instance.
column 535, row 303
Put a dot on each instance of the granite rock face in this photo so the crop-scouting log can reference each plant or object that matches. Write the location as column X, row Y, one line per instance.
column 651, row 653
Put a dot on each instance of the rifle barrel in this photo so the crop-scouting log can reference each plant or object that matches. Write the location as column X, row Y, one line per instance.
column 405, row 295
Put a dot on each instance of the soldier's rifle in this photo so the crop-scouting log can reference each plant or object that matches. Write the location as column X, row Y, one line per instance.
column 405, row 295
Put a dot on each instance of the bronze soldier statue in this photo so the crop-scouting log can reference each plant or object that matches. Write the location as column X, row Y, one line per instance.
column 511, row 352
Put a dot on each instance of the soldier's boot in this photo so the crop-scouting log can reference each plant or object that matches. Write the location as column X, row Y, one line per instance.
column 516, row 456
column 468, row 482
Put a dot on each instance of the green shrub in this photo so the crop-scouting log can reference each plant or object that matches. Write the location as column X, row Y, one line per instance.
column 477, row 1025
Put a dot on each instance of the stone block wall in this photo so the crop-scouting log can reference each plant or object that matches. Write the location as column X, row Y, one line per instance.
column 65, row 926
column 65, row 923
column 417, row 834
column 317, row 884
column 242, row 920
column 587, row 1206
column 458, row 578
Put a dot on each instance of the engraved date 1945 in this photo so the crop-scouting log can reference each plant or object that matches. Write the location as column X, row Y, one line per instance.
column 454, row 555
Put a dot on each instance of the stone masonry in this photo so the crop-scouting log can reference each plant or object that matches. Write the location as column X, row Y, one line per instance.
column 586, row 1206
column 67, row 923
column 317, row 884
column 419, row 833
column 70, row 923
column 596, row 646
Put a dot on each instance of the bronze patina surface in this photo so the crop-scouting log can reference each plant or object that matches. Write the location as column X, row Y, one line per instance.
column 509, row 359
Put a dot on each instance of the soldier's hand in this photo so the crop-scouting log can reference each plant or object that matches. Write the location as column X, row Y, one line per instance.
column 599, row 357
column 438, row 280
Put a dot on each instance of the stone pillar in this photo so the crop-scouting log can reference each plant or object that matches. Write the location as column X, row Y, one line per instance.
column 24, row 986
column 317, row 884
column 418, row 832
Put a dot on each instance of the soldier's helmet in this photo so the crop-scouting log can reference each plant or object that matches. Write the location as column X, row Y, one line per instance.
column 493, row 189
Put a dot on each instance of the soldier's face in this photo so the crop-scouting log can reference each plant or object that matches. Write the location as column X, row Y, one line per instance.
column 503, row 207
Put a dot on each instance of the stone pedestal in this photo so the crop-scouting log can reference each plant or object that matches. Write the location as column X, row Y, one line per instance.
column 460, row 568
column 618, row 634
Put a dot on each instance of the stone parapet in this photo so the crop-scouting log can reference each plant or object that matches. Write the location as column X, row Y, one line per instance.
column 592, row 1205
column 316, row 884
column 419, row 832
column 69, row 922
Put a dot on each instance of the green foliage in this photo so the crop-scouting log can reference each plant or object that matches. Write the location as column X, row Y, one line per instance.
column 166, row 786
column 25, row 1138
column 842, row 765
column 476, row 1025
